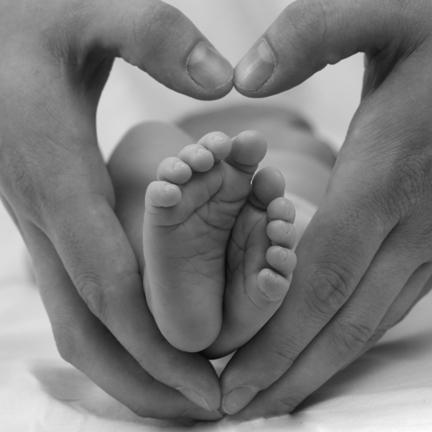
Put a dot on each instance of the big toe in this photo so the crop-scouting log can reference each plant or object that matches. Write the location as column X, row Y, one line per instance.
column 267, row 185
column 248, row 150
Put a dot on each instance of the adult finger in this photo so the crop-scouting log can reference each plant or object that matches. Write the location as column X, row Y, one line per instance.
column 83, row 341
column 158, row 39
column 311, row 34
column 346, row 336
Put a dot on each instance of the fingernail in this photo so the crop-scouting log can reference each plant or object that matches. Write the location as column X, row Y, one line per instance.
column 208, row 68
column 237, row 399
column 256, row 68
column 195, row 397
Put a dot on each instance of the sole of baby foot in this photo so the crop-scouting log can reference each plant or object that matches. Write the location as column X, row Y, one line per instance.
column 260, row 262
column 189, row 214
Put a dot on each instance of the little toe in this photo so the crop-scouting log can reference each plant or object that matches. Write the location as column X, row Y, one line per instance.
column 162, row 194
column 174, row 170
column 267, row 185
column 197, row 157
column 218, row 144
column 281, row 259
column 248, row 150
column 281, row 208
column 272, row 286
column 281, row 233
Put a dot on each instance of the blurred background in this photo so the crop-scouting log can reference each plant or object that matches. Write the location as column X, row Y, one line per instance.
column 328, row 100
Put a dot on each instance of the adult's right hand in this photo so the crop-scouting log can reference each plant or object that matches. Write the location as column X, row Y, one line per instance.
column 56, row 57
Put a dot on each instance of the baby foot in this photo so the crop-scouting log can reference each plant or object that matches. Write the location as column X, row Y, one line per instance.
column 260, row 262
column 189, row 215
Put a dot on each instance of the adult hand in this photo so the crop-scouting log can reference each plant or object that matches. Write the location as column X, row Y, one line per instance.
column 56, row 57
column 366, row 256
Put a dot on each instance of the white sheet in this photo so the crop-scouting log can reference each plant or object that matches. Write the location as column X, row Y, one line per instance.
column 388, row 390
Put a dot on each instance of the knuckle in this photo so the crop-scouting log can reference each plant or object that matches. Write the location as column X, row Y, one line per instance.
column 351, row 337
column 410, row 179
column 328, row 288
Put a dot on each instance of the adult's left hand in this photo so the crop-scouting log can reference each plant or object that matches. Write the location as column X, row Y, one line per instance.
column 365, row 259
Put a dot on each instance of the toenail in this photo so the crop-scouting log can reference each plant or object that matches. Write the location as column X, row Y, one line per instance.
column 218, row 137
column 178, row 165
column 169, row 188
column 272, row 290
column 283, row 254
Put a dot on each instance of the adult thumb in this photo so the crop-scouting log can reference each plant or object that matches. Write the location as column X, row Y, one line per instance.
column 160, row 40
column 311, row 34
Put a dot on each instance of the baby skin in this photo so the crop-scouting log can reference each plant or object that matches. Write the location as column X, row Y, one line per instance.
column 218, row 239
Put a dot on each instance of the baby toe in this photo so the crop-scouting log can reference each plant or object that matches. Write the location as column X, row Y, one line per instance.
column 197, row 157
column 267, row 185
column 281, row 233
column 281, row 259
column 162, row 194
column 248, row 150
column 281, row 208
column 174, row 170
column 218, row 144
column 272, row 286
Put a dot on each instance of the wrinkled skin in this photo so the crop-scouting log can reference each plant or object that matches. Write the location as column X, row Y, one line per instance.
column 365, row 259
column 55, row 58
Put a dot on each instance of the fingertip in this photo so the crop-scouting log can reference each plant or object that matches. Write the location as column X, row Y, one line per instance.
column 209, row 70
column 255, row 69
